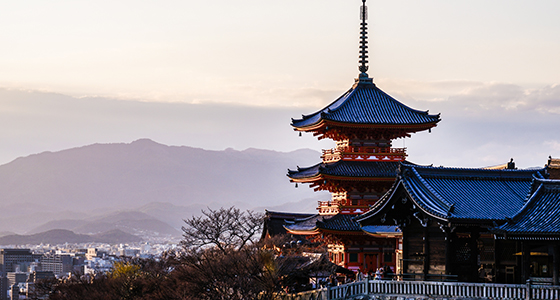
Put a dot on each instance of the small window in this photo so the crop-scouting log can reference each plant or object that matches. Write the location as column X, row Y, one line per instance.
column 353, row 257
column 388, row 257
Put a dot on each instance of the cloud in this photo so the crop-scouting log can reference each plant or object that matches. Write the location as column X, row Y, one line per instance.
column 488, row 123
column 509, row 97
column 554, row 145
column 482, row 123
column 426, row 91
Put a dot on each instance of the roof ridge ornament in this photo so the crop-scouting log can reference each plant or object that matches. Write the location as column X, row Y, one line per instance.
column 363, row 77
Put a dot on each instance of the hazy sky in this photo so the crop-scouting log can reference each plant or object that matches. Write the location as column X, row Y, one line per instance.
column 218, row 74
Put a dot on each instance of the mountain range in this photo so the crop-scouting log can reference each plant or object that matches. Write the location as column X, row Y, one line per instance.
column 144, row 187
column 61, row 236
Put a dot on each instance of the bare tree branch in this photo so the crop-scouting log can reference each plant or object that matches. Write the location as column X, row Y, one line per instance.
column 224, row 228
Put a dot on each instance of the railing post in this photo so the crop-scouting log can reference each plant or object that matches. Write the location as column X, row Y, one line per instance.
column 366, row 281
column 529, row 290
column 328, row 292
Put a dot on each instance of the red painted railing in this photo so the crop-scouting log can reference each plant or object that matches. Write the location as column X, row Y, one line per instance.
column 364, row 153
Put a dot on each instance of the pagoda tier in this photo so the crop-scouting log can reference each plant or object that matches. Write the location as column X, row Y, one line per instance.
column 325, row 224
column 350, row 245
column 355, row 185
column 334, row 224
column 352, row 202
column 364, row 150
column 343, row 175
column 365, row 112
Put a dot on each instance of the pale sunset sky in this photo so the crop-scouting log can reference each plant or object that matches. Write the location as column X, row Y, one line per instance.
column 219, row 74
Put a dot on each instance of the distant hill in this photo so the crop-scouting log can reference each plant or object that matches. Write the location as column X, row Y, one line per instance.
column 132, row 222
column 166, row 183
column 61, row 236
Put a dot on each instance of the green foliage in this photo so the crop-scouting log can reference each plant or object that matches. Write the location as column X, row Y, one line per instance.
column 124, row 270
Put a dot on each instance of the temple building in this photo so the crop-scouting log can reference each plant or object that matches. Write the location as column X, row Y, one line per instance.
column 363, row 122
column 474, row 225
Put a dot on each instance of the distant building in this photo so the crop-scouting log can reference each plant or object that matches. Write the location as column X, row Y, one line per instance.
column 39, row 275
column 94, row 252
column 129, row 252
column 4, row 288
column 14, row 292
column 11, row 259
column 57, row 263
column 16, row 277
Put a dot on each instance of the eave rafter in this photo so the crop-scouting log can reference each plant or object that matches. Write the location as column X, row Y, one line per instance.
column 343, row 184
column 339, row 131
column 303, row 232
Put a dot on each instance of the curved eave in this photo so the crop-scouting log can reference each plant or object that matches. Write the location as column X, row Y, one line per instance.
column 427, row 210
column 350, row 178
column 527, row 236
column 306, row 179
column 466, row 220
column 384, row 235
column 303, row 232
column 380, row 204
column 322, row 177
column 531, row 233
column 420, row 197
column 385, row 231
column 341, row 232
column 323, row 123
column 539, row 216
column 377, row 209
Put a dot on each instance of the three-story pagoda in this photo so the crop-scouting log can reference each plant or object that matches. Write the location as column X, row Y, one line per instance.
column 363, row 122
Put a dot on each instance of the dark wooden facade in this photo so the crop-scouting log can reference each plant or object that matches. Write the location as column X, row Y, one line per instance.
column 468, row 224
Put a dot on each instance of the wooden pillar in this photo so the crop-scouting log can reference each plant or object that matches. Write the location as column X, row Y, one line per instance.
column 363, row 255
column 449, row 252
column 497, row 262
column 473, row 274
column 525, row 261
column 555, row 262
column 405, row 252
column 426, row 253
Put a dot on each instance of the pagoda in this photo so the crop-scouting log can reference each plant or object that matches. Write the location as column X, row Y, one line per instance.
column 363, row 122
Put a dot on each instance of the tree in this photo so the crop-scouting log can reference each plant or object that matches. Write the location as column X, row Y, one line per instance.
column 220, row 258
column 129, row 279
column 224, row 228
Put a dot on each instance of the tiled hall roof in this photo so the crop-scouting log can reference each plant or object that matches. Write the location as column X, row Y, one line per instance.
column 460, row 194
column 540, row 216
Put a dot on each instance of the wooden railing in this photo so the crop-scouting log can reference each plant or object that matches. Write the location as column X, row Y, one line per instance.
column 364, row 153
column 370, row 150
column 319, row 294
column 457, row 290
column 337, row 203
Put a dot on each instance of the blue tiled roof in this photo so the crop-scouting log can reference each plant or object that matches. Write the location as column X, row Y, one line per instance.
column 364, row 169
column 274, row 221
column 381, row 229
column 303, row 224
column 338, row 222
column 455, row 193
column 365, row 103
column 540, row 215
